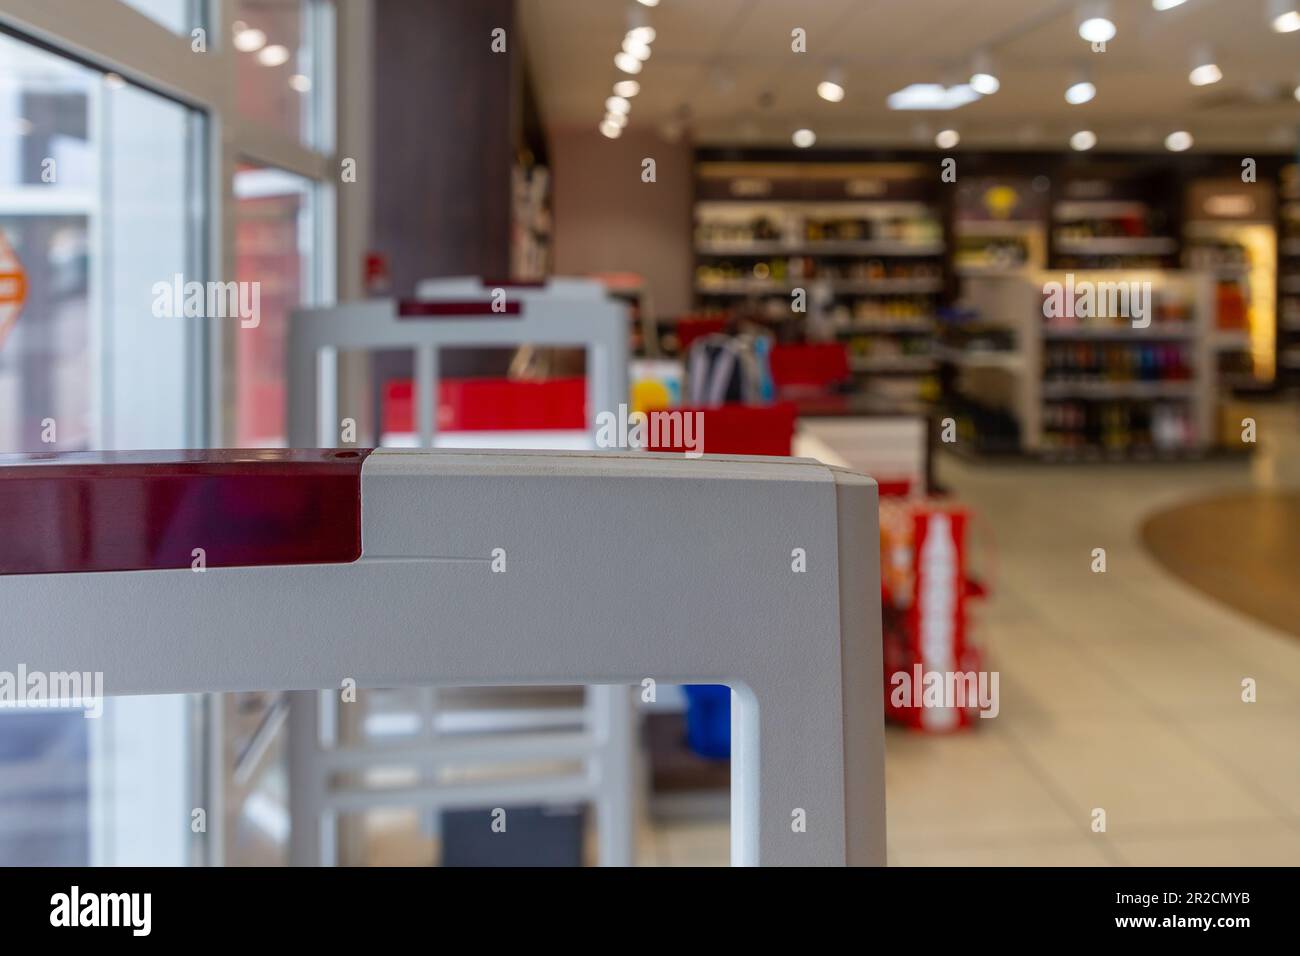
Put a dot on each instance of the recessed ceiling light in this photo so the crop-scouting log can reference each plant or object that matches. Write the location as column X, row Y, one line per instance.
column 642, row 34
column 638, row 49
column 627, row 62
column 300, row 82
column 1083, row 140
column 649, row 3
column 1283, row 16
column 247, row 39
column 931, row 96
column 618, row 119
column 947, row 138
column 611, row 130
column 274, row 55
column 803, row 138
column 627, row 88
column 618, row 104
column 1095, row 24
column 1178, row 141
column 1167, row 4
column 1076, row 94
column 830, row 91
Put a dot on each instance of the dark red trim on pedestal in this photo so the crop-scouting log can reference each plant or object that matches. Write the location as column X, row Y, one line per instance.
column 418, row 309
column 149, row 510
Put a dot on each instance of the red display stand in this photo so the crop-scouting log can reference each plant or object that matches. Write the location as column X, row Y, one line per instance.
column 926, row 592
column 492, row 404
column 742, row 430
column 809, row 367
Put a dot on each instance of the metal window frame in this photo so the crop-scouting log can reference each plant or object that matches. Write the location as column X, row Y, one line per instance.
column 112, row 36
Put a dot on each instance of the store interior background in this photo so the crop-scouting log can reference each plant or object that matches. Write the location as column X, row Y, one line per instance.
column 1120, row 690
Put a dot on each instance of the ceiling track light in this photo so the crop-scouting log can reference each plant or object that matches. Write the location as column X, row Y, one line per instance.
column 831, row 88
column 1204, row 70
column 1283, row 17
column 983, row 79
column 1095, row 23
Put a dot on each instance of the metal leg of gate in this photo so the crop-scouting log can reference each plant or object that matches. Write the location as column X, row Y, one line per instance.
column 610, row 710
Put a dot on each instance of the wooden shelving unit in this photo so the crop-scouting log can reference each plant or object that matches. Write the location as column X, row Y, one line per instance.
column 1091, row 389
column 865, row 242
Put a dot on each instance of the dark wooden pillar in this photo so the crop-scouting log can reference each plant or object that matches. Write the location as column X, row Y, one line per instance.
column 444, row 138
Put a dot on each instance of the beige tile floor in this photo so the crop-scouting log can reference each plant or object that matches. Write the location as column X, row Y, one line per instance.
column 1120, row 691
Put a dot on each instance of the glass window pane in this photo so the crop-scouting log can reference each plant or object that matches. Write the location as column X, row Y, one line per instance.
column 179, row 16
column 101, row 198
column 273, row 248
column 282, row 48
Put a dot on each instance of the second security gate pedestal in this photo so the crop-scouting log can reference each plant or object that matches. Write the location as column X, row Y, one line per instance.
column 617, row 568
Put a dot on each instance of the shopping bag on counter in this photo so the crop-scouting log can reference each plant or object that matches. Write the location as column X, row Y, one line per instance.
column 728, row 369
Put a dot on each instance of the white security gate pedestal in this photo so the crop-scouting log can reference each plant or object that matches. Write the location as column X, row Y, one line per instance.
column 618, row 568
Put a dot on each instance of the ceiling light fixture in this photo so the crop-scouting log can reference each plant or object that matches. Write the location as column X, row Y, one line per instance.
column 1166, row 4
column 618, row 104
column 1178, row 141
column 1083, row 140
column 618, row 119
column 274, row 55
column 931, row 96
column 1283, row 16
column 300, row 82
column 831, row 89
column 247, row 39
column 983, row 80
column 1080, row 91
column 947, row 138
column 649, row 3
column 642, row 34
column 627, row 62
column 1204, row 70
column 627, row 88
column 803, row 138
column 1095, row 24
column 1297, row 93
column 638, row 49
column 610, row 130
